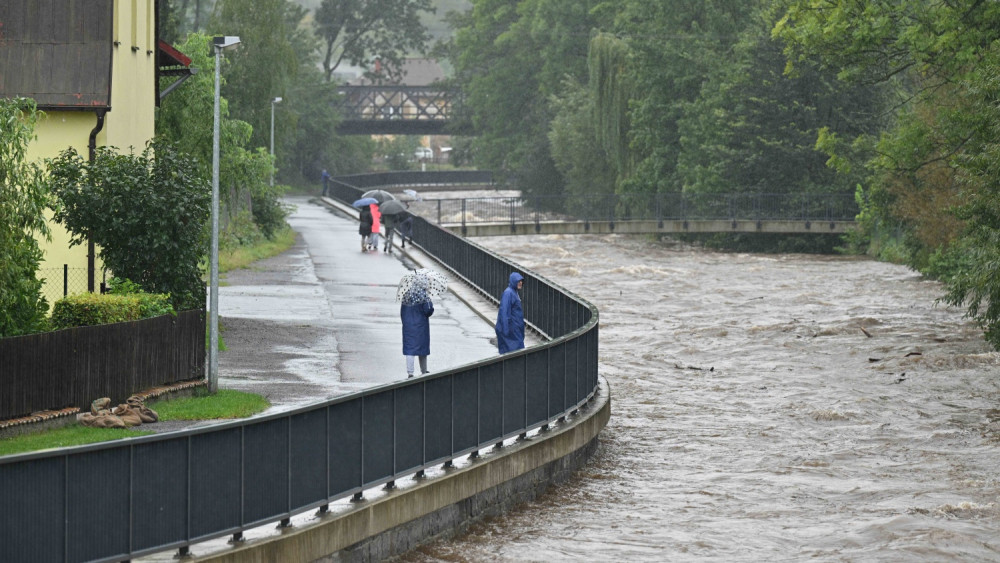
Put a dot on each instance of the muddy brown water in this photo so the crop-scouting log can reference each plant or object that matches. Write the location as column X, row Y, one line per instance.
column 788, row 408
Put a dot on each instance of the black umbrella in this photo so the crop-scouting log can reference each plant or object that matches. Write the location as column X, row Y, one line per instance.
column 381, row 195
column 392, row 207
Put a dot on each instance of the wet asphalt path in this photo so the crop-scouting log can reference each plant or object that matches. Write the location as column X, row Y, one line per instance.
column 322, row 320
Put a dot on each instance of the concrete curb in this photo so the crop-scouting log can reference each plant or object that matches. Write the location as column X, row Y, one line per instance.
column 439, row 506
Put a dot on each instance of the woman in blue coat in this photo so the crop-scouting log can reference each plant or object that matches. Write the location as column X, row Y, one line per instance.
column 510, row 317
column 416, row 332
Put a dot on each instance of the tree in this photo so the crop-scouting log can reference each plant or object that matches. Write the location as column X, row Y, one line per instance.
column 936, row 162
column 185, row 119
column 22, row 202
column 146, row 212
column 577, row 154
column 357, row 31
column 267, row 62
column 509, row 59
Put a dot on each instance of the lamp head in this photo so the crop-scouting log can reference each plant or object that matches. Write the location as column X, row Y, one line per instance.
column 225, row 42
column 276, row 100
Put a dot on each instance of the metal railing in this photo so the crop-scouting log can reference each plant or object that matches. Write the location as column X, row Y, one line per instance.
column 640, row 207
column 412, row 178
column 119, row 500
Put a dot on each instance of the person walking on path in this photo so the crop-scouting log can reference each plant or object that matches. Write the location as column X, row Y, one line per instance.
column 416, row 332
column 406, row 229
column 376, row 225
column 365, row 227
column 325, row 177
column 510, row 317
column 389, row 222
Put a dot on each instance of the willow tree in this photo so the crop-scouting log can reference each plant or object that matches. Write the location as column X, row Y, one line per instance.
column 611, row 90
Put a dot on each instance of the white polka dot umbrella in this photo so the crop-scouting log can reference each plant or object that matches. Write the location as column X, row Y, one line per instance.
column 417, row 286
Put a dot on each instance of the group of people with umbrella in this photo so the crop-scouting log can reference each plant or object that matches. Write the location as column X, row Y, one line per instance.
column 416, row 291
column 379, row 209
column 418, row 288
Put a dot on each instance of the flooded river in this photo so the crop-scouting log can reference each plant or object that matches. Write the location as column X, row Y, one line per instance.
column 781, row 408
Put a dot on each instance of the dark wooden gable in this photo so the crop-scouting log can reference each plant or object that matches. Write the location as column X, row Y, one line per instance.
column 57, row 52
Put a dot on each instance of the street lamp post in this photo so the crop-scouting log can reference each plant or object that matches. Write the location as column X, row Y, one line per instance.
column 219, row 44
column 276, row 100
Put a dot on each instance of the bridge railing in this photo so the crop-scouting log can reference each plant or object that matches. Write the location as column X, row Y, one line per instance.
column 116, row 501
column 640, row 207
column 404, row 178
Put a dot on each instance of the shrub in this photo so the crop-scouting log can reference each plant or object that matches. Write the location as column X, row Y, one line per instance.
column 150, row 304
column 88, row 309
column 147, row 212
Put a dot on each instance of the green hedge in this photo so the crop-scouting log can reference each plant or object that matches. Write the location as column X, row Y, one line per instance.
column 86, row 309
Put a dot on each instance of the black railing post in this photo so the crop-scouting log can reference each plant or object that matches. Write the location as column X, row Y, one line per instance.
column 538, row 226
column 465, row 230
column 513, row 225
column 65, row 280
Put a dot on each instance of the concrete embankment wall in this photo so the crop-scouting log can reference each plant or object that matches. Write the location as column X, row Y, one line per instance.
column 438, row 506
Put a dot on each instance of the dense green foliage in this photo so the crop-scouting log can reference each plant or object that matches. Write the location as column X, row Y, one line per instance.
column 510, row 59
column 22, row 202
column 356, row 31
column 88, row 309
column 892, row 100
column 159, row 241
column 933, row 169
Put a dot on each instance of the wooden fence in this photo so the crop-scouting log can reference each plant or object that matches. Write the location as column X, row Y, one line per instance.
column 74, row 366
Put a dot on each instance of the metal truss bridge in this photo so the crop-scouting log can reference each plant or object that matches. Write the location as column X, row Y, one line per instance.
column 397, row 110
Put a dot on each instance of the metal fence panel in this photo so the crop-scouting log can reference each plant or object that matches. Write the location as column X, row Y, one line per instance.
column 491, row 402
column 216, row 481
column 159, row 514
column 98, row 522
column 465, row 421
column 265, row 467
column 438, row 418
column 409, row 422
column 557, row 378
column 34, row 495
column 513, row 393
column 377, row 438
column 345, row 446
column 537, row 379
column 308, row 458
column 572, row 370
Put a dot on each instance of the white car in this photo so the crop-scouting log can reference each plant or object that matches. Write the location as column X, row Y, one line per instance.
column 423, row 153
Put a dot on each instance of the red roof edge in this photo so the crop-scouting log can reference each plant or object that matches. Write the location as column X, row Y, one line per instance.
column 179, row 58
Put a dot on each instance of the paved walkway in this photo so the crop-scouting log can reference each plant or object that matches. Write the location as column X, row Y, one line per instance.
column 321, row 319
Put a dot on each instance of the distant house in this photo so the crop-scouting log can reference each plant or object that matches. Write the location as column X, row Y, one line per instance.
column 93, row 67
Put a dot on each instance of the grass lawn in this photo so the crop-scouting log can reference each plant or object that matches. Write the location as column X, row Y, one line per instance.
column 74, row 435
column 226, row 404
column 243, row 256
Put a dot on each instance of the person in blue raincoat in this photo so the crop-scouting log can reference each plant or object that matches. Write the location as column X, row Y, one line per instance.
column 416, row 333
column 510, row 317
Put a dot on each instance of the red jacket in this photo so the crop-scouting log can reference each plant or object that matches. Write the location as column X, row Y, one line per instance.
column 376, row 219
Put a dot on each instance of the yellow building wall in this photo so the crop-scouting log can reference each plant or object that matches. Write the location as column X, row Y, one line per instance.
column 128, row 126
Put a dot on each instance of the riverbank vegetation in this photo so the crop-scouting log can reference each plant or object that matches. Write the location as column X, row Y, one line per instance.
column 894, row 102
